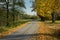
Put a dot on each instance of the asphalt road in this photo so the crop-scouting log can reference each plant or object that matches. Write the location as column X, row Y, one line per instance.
column 24, row 33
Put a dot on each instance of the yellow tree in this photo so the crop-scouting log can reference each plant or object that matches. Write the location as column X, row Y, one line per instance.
column 47, row 8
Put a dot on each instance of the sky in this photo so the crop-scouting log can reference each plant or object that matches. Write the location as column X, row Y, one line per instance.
column 28, row 9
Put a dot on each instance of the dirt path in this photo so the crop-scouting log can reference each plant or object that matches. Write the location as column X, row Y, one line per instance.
column 33, row 31
column 24, row 33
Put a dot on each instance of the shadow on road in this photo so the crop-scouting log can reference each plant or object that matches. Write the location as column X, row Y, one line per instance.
column 28, row 36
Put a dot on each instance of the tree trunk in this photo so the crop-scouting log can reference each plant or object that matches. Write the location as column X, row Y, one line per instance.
column 7, row 3
column 53, row 17
column 42, row 18
column 13, row 11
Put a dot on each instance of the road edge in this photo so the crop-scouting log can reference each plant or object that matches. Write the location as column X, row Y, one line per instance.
column 10, row 31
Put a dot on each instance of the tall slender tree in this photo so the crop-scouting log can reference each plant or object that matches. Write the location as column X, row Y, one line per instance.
column 14, row 1
column 7, row 5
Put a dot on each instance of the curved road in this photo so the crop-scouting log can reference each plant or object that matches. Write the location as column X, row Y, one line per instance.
column 24, row 33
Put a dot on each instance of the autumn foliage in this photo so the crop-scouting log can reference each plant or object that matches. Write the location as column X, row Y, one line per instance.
column 46, row 7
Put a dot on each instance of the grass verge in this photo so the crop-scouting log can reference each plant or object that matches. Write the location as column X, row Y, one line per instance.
column 4, row 31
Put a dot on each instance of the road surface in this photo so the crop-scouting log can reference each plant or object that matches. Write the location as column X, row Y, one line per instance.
column 24, row 33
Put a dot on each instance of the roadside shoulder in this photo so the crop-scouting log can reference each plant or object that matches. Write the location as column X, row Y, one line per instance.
column 10, row 31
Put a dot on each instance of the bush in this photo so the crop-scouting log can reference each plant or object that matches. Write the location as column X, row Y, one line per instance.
column 3, row 29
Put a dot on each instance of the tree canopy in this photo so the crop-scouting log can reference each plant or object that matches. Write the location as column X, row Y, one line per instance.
column 46, row 7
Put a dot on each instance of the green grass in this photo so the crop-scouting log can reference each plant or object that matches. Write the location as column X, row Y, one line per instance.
column 5, row 28
column 50, row 22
